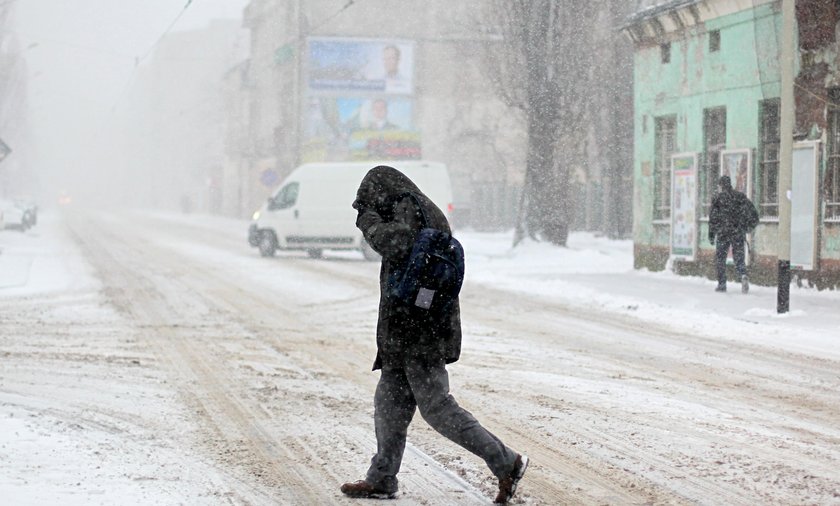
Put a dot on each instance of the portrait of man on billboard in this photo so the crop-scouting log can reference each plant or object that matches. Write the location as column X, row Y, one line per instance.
column 389, row 71
column 375, row 114
column 360, row 65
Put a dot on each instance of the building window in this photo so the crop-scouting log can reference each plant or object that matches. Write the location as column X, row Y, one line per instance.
column 665, row 52
column 769, row 162
column 714, row 41
column 831, row 185
column 714, row 136
column 664, row 146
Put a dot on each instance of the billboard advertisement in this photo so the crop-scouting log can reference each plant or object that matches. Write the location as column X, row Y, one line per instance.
column 804, row 206
column 360, row 128
column 684, row 206
column 736, row 164
column 382, row 66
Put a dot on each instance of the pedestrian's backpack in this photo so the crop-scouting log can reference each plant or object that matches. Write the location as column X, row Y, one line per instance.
column 432, row 277
column 749, row 214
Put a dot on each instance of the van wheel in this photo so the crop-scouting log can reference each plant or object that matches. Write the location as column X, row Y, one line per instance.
column 268, row 244
column 368, row 252
column 315, row 253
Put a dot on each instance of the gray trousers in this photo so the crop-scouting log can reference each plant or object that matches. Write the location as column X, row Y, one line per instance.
column 425, row 386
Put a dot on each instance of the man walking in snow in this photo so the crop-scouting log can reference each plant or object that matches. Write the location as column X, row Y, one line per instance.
column 731, row 217
column 413, row 349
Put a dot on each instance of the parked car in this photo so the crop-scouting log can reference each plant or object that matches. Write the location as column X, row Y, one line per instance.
column 14, row 216
column 311, row 210
column 30, row 210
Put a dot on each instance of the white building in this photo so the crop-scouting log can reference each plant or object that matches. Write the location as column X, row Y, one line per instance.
column 441, row 101
column 174, row 123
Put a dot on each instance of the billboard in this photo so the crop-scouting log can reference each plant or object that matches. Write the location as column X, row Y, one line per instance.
column 804, row 205
column 736, row 164
column 337, row 65
column 684, row 206
column 359, row 128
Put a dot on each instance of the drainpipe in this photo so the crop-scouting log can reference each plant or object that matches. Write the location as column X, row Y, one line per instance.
column 785, row 155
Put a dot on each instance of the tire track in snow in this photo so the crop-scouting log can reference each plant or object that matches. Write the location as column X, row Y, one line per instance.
column 598, row 485
column 700, row 487
column 138, row 297
column 211, row 287
column 585, row 331
column 590, row 339
column 258, row 304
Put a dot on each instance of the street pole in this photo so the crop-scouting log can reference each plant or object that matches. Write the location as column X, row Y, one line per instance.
column 786, row 121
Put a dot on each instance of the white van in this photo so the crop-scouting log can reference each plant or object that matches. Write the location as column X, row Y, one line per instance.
column 311, row 210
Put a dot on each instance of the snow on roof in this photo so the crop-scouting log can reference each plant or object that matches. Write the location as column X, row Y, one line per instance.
column 650, row 8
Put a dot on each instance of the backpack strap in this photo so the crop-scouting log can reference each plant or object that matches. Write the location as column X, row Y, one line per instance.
column 419, row 206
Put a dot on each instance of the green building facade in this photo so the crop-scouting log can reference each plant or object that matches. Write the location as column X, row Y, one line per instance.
column 706, row 80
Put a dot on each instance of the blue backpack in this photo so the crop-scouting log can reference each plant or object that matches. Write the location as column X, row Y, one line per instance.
column 432, row 277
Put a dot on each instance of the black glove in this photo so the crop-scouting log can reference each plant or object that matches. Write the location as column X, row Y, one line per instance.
column 366, row 219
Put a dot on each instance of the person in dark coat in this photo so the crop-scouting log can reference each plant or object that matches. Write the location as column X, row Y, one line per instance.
column 413, row 349
column 731, row 217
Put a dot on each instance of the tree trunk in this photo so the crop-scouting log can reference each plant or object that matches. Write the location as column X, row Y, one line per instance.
column 547, row 206
column 543, row 73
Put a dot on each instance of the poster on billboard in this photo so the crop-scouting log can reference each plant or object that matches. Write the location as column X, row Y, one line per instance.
column 804, row 205
column 338, row 65
column 684, row 206
column 736, row 164
column 358, row 128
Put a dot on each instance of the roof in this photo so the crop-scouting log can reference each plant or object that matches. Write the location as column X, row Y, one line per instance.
column 646, row 9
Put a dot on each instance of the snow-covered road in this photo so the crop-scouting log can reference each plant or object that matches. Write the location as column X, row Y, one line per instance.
column 163, row 362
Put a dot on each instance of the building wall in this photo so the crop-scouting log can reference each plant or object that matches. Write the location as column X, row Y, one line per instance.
column 740, row 75
column 238, row 181
column 173, row 125
column 818, row 72
column 461, row 121
column 16, row 175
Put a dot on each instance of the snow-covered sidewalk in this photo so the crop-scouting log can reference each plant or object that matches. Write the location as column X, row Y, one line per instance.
column 39, row 260
column 597, row 273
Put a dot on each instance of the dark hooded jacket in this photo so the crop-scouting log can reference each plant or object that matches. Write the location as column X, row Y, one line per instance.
column 390, row 219
column 732, row 214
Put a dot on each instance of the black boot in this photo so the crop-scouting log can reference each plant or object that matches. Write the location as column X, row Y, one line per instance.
column 507, row 485
column 365, row 490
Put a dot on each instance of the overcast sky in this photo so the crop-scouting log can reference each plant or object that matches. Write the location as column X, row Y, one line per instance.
column 81, row 56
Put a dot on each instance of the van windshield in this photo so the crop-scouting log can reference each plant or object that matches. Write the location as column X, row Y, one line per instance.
column 287, row 196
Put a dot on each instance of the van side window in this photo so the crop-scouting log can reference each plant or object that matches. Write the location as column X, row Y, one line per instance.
column 286, row 197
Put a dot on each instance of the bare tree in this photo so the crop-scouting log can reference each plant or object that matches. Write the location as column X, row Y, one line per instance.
column 539, row 67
